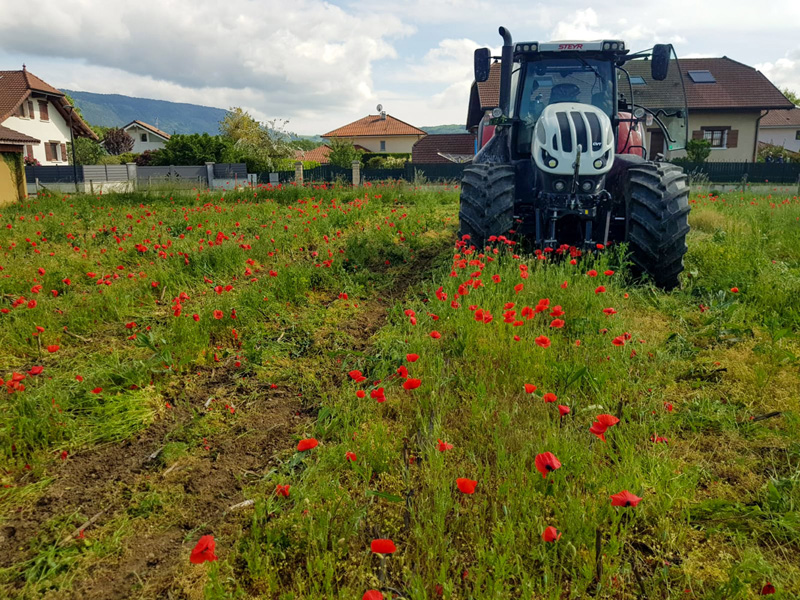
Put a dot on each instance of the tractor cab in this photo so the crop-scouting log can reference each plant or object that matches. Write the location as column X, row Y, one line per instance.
column 568, row 162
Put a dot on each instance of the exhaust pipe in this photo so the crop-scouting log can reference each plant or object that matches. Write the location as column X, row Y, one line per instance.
column 507, row 56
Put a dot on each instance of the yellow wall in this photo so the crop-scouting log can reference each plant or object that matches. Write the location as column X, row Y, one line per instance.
column 12, row 186
column 394, row 143
column 743, row 122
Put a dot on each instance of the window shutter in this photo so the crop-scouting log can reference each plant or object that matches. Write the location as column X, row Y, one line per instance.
column 29, row 151
column 697, row 135
column 20, row 112
column 48, row 152
column 64, row 152
column 733, row 138
column 43, row 115
column 30, row 110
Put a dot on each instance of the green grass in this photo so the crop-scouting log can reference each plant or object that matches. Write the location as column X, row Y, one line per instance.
column 719, row 515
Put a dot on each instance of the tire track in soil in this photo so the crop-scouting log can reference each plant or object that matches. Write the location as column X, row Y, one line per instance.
column 150, row 564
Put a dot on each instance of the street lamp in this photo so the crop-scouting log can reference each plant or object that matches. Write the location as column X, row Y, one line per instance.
column 71, row 109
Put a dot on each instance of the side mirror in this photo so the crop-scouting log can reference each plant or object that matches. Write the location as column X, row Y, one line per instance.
column 482, row 59
column 659, row 63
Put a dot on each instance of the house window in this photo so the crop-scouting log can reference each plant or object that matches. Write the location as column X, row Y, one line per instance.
column 52, row 151
column 717, row 137
column 30, row 110
column 636, row 80
column 702, row 77
column 797, row 134
column 383, row 145
column 43, row 110
column 144, row 137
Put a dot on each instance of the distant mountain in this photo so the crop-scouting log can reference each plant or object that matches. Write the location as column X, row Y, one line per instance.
column 115, row 110
column 437, row 129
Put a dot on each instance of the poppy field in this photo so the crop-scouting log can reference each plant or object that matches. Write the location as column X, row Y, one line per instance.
column 321, row 392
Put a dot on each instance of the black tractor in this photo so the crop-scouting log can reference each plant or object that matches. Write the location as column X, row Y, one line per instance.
column 564, row 158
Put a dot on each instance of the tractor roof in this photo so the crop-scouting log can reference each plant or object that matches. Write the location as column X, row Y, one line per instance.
column 611, row 46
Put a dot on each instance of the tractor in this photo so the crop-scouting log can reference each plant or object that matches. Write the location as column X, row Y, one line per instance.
column 563, row 161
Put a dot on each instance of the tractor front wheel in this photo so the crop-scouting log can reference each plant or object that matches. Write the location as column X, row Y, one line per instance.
column 487, row 202
column 657, row 201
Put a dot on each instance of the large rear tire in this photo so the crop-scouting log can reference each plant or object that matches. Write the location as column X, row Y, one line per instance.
column 657, row 201
column 487, row 202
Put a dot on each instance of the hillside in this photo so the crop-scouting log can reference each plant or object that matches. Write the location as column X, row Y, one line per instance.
column 110, row 110
column 439, row 129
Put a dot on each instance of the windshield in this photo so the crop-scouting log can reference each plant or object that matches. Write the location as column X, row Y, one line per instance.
column 552, row 80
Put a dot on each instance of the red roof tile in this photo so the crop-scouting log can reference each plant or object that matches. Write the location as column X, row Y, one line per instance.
column 782, row 118
column 16, row 86
column 374, row 125
column 428, row 149
column 9, row 136
column 318, row 154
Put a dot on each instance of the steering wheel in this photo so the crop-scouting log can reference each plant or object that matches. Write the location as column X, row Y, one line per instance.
column 564, row 92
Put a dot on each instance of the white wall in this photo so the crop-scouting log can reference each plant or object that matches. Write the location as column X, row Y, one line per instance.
column 780, row 136
column 153, row 141
column 53, row 130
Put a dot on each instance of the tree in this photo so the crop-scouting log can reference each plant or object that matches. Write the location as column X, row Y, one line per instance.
column 304, row 144
column 343, row 153
column 87, row 151
column 792, row 95
column 259, row 145
column 117, row 141
column 698, row 150
column 193, row 149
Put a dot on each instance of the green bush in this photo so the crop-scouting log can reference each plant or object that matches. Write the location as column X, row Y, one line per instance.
column 698, row 151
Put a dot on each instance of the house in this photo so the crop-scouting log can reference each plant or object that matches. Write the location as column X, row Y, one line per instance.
column 725, row 99
column 36, row 110
column 380, row 133
column 145, row 136
column 444, row 148
column 12, row 172
column 320, row 154
column 781, row 128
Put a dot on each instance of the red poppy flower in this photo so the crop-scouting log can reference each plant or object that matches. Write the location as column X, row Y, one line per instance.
column 609, row 272
column 357, row 376
column 203, row 551
column 609, row 311
column 412, row 357
column 402, row 371
column 196, row 317
column 518, row 288
column 361, row 393
column 735, row 290
column 551, row 534
column 53, row 348
column 607, row 420
column 618, row 341
column 563, row 410
column 599, row 430
column 282, row 490
column 36, row 370
column 78, row 377
column 550, row 397
column 600, row 289
column 218, row 314
column 592, row 273
column 564, row 285
column 378, row 395
column 351, row 456
column 768, row 589
column 466, row 486
column 372, row 595
column 542, row 341
column 557, row 323
column 435, row 335
column 411, row 384
column 529, row 388
column 307, row 444
column 624, row 498
column 546, row 463
column 97, row 390
column 443, row 446
column 557, row 311
column 383, row 546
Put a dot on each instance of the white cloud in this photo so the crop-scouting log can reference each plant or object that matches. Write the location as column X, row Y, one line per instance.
column 784, row 72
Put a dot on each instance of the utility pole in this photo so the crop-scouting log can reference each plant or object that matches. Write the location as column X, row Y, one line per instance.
column 71, row 109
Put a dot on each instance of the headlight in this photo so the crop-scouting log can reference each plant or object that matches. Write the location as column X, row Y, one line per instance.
column 559, row 186
column 552, row 163
column 598, row 164
column 587, row 186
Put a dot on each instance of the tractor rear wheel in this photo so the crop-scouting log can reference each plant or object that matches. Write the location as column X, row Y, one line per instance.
column 487, row 202
column 657, row 201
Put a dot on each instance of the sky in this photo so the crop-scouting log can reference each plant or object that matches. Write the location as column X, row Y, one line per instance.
column 320, row 65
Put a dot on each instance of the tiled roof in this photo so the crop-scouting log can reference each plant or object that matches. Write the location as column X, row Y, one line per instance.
column 426, row 151
column 737, row 86
column 9, row 136
column 149, row 127
column 782, row 118
column 374, row 125
column 16, row 86
column 318, row 154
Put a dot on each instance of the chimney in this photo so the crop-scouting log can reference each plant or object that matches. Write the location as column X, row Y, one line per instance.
column 383, row 115
column 23, row 67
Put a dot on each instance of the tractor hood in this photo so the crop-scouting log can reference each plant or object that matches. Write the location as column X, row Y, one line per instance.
column 564, row 127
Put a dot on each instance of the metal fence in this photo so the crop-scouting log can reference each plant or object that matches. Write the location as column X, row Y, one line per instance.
column 719, row 172
column 103, row 173
column 53, row 174
column 230, row 171
column 172, row 176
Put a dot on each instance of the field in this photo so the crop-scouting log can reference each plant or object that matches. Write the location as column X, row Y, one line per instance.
column 301, row 372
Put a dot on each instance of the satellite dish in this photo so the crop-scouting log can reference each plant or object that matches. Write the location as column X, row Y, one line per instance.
column 379, row 107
